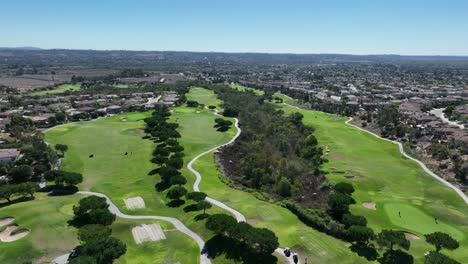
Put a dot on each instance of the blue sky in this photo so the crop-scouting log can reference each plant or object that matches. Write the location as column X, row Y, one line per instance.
column 291, row 26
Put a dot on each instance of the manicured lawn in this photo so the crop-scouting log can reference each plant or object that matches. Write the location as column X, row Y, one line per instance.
column 204, row 96
column 242, row 88
column 50, row 236
column 383, row 176
column 59, row 89
column 176, row 248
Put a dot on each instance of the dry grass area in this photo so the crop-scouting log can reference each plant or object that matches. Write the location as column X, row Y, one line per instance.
column 134, row 203
column 148, row 233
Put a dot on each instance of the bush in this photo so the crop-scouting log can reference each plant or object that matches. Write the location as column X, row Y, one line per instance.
column 317, row 219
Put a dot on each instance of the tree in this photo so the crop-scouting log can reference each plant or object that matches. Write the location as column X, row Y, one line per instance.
column 296, row 118
column 203, row 205
column 21, row 173
column 196, row 196
column 284, row 187
column 442, row 240
column 72, row 178
column 360, row 234
column 220, row 223
column 356, row 220
column 60, row 117
column 93, row 232
column 178, row 180
column 82, row 260
column 344, row 188
column 396, row 257
column 390, row 238
column 222, row 125
column 438, row 258
column 92, row 210
column 339, row 204
column 192, row 103
column 27, row 188
column 175, row 193
column 6, row 191
column 103, row 250
column 62, row 148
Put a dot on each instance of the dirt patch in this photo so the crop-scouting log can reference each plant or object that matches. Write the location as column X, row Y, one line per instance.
column 370, row 205
column 411, row 236
column 10, row 233
column 146, row 233
column 134, row 203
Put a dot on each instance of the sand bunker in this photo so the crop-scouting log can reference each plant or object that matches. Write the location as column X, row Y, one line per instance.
column 9, row 234
column 150, row 232
column 5, row 221
column 369, row 205
column 134, row 203
column 411, row 236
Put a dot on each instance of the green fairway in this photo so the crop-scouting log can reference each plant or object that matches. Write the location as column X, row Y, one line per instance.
column 176, row 248
column 59, row 89
column 204, row 96
column 46, row 219
column 242, row 88
column 380, row 174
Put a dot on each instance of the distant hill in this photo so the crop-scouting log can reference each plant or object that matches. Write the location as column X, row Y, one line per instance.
column 25, row 55
column 20, row 48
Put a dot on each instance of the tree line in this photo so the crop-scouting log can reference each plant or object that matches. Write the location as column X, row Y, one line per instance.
column 276, row 153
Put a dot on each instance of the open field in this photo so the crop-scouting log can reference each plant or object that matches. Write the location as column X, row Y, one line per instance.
column 46, row 219
column 58, row 90
column 380, row 174
column 204, row 96
column 241, row 88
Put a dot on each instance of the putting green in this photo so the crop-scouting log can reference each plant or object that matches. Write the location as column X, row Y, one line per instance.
column 50, row 236
column 414, row 220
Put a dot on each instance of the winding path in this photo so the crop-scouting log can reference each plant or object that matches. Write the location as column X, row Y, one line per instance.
column 177, row 223
column 402, row 151
column 239, row 216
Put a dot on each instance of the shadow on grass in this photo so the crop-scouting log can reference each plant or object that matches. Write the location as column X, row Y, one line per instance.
column 191, row 208
column 233, row 250
column 17, row 200
column 175, row 203
column 368, row 251
column 201, row 217
column 58, row 190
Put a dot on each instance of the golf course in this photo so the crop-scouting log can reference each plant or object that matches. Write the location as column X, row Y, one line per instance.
column 58, row 90
column 405, row 197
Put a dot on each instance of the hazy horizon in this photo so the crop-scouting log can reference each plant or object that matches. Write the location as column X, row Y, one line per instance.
column 361, row 27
